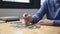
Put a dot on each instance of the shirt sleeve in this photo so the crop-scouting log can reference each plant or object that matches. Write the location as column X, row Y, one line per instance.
column 56, row 23
column 38, row 16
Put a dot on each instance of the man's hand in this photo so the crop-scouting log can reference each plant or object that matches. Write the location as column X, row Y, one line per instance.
column 45, row 22
column 27, row 17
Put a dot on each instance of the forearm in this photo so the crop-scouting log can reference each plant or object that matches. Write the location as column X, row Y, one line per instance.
column 41, row 12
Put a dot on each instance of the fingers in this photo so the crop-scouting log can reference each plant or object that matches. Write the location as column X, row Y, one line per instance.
column 26, row 15
column 43, row 22
column 40, row 22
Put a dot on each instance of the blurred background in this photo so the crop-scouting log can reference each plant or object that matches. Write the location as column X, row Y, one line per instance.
column 20, row 8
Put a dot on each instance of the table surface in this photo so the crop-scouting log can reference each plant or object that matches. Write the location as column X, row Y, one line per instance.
column 7, row 29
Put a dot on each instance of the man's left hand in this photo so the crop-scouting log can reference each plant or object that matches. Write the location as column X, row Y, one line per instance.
column 45, row 22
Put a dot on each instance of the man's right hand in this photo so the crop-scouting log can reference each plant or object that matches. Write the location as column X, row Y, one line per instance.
column 27, row 17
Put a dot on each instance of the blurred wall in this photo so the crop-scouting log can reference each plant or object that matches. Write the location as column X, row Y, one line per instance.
column 16, row 12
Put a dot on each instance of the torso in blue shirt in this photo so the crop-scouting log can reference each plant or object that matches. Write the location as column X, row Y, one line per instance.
column 52, row 9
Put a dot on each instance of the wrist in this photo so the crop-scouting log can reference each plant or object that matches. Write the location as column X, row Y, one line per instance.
column 30, row 20
column 51, row 22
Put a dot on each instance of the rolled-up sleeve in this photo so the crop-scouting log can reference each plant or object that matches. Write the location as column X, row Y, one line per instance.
column 38, row 16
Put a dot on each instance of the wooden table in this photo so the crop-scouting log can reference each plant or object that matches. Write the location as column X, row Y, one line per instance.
column 7, row 29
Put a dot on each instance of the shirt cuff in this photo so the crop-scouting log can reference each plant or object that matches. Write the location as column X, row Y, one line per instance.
column 56, row 23
column 34, row 20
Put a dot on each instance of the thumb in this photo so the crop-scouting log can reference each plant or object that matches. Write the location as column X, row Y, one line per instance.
column 41, row 21
column 25, row 14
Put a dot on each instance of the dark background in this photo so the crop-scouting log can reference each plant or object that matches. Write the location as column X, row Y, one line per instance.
column 34, row 4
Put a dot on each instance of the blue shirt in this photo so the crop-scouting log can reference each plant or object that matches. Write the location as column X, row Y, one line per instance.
column 52, row 9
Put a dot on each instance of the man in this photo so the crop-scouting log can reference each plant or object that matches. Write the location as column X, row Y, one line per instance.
column 51, row 8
